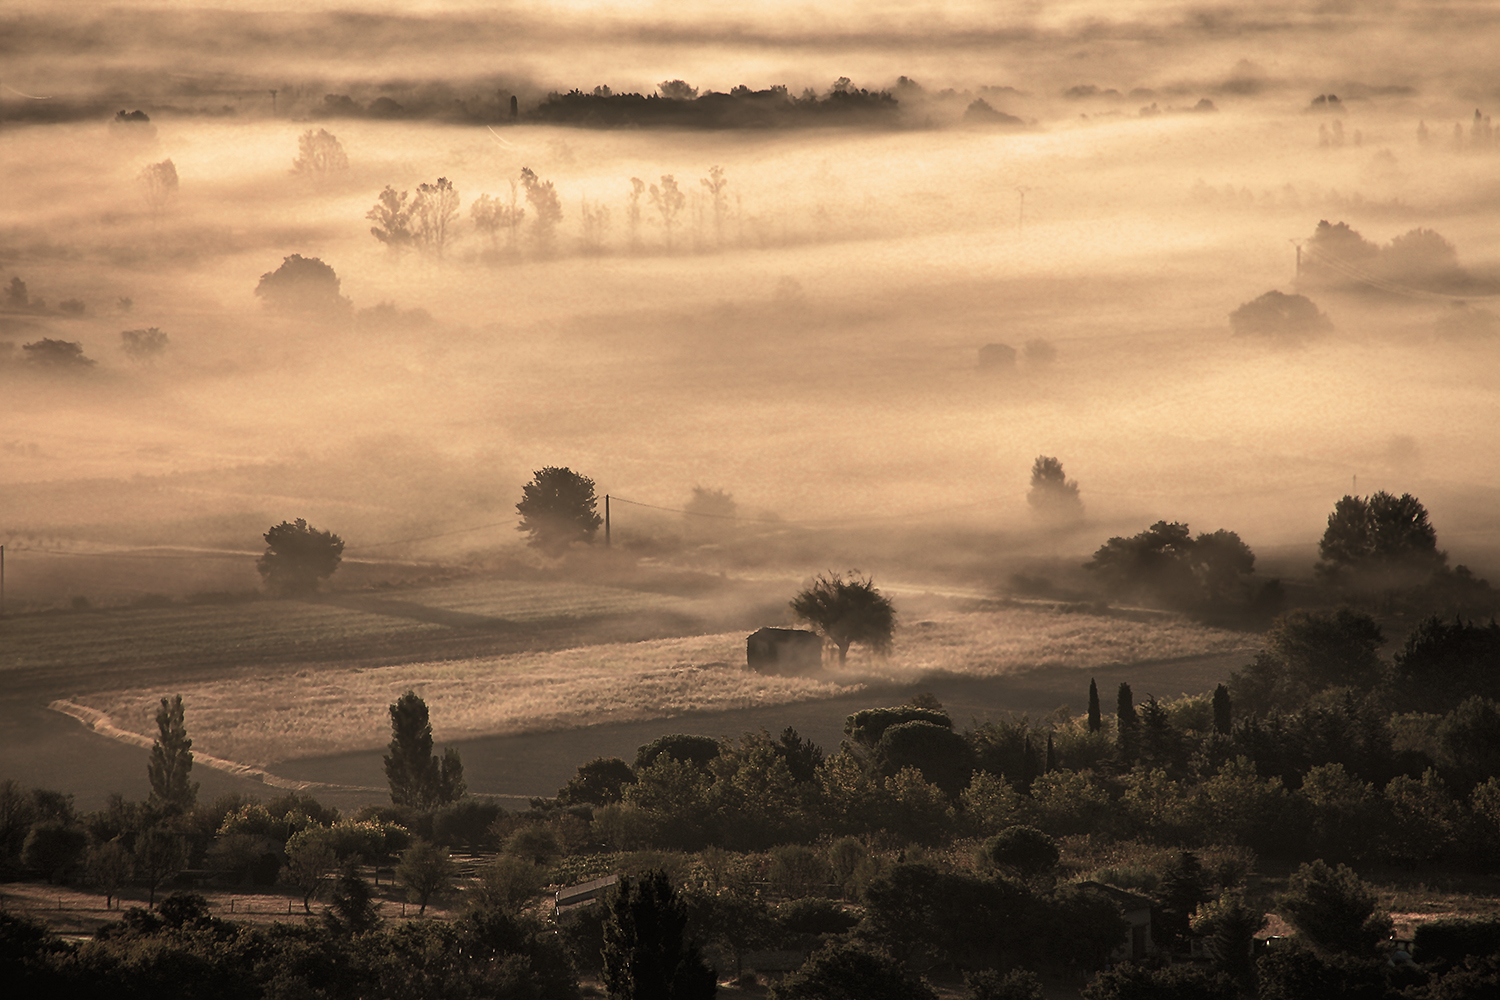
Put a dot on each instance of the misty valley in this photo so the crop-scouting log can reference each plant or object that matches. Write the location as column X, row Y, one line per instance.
column 604, row 501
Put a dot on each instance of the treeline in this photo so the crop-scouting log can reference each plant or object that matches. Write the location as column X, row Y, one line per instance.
column 680, row 106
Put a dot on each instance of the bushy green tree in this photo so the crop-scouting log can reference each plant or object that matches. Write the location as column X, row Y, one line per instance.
column 1333, row 910
column 847, row 611
column 426, row 870
column 597, row 783
column 298, row 556
column 557, row 508
column 1166, row 565
column 417, row 777
column 1228, row 926
column 647, row 952
column 1024, row 851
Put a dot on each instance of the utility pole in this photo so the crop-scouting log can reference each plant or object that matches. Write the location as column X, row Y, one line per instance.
column 273, row 104
column 1297, row 280
column 606, row 520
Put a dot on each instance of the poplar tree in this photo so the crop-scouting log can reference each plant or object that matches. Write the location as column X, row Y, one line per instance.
column 172, row 759
column 1096, row 720
column 417, row 777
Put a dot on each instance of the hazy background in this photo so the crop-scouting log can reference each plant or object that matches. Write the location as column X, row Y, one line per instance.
column 819, row 362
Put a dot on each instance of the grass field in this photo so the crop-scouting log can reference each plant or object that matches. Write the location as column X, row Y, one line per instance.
column 264, row 717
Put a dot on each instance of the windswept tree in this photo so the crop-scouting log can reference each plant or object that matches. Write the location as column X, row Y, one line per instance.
column 319, row 154
column 557, row 508
column 171, row 761
column 546, row 208
column 1053, row 495
column 846, row 611
column 298, row 556
column 418, row 778
column 669, row 201
column 158, row 182
column 434, row 213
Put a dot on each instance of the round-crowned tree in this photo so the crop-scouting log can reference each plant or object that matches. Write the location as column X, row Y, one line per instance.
column 557, row 508
column 298, row 556
column 302, row 285
column 847, row 611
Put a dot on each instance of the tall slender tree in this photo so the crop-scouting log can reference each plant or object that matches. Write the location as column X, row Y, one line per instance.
column 647, row 952
column 417, row 777
column 1096, row 719
column 172, row 759
column 1126, row 722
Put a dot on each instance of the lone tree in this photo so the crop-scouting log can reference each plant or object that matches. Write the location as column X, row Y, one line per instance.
column 56, row 355
column 158, row 183
column 546, row 207
column 1383, row 542
column 1053, row 495
column 302, row 285
column 172, row 759
column 298, row 556
column 847, row 611
column 1279, row 316
column 647, row 953
column 392, row 217
column 426, row 870
column 143, row 346
column 557, row 508
column 319, row 153
column 417, row 777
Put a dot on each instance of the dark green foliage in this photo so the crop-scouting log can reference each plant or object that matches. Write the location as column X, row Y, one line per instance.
column 426, row 870
column 1333, row 910
column 1279, row 316
column 1442, row 663
column 1228, row 927
column 1183, row 887
column 814, row 916
column 1223, row 710
column 847, row 611
column 1017, row 984
column 1024, row 851
column 1293, row 973
column 466, row 823
column 939, row 753
column 1177, row 982
column 1096, row 719
column 697, row 750
column 843, row 970
column 597, row 783
column 1379, row 544
column 866, row 726
column 298, row 556
column 1165, row 565
column 1470, row 740
column 54, row 848
column 1127, row 725
column 352, row 909
column 557, row 508
column 1443, row 944
column 172, row 759
column 921, row 915
column 1306, row 652
column 647, row 954
column 803, row 757
column 1009, row 750
column 302, row 285
column 417, row 777
column 1158, row 744
column 1079, row 926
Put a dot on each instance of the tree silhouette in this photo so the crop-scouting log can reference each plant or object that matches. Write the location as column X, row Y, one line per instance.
column 416, row 776
column 647, row 952
column 1382, row 542
column 434, row 212
column 56, row 355
column 715, row 183
column 302, row 285
column 171, row 759
column 298, row 556
column 158, row 183
column 319, row 153
column 143, row 346
column 392, row 218
column 545, row 206
column 1053, row 495
column 847, row 611
column 669, row 201
column 557, row 508
column 1279, row 316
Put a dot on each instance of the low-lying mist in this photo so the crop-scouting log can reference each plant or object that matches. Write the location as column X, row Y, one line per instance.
column 809, row 341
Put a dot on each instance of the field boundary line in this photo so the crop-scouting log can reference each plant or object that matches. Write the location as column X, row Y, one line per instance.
column 93, row 719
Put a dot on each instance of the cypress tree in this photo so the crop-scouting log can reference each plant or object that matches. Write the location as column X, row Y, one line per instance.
column 1126, row 723
column 647, row 953
column 1096, row 720
column 1223, row 710
column 172, row 758
column 417, row 777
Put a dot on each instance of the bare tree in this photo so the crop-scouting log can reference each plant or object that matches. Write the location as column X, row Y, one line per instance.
column 542, row 197
column 319, row 153
column 434, row 212
column 392, row 218
column 669, row 201
column 715, row 182
column 633, row 214
column 595, row 217
column 158, row 185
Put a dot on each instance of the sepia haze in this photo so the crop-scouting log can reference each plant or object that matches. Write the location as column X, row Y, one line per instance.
column 816, row 356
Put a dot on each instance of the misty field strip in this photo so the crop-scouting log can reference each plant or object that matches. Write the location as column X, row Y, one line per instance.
column 265, row 718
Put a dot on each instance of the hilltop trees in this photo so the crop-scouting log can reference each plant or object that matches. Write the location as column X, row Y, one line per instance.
column 417, row 777
column 172, row 759
column 298, row 556
column 557, row 508
column 847, row 611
